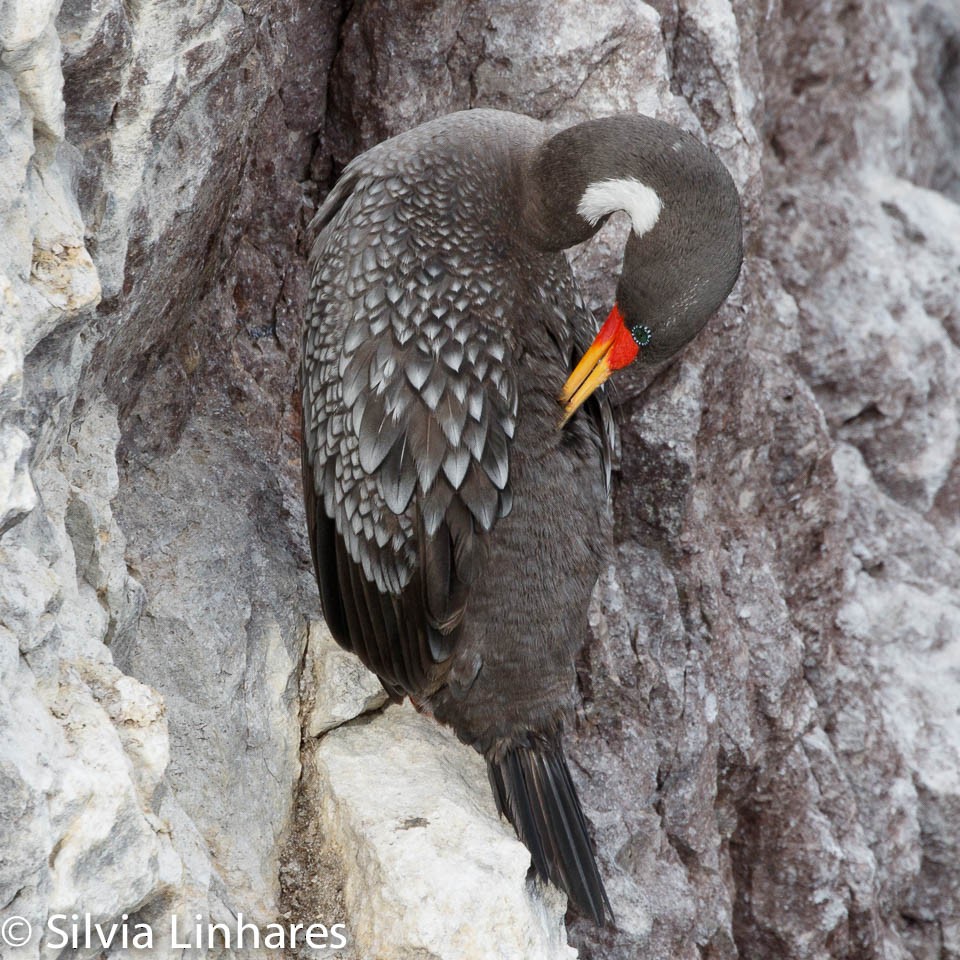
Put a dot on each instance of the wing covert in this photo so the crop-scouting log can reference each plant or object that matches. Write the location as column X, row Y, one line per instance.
column 409, row 411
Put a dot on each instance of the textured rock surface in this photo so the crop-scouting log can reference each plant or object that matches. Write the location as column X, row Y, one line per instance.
column 768, row 746
column 134, row 237
column 337, row 687
column 433, row 872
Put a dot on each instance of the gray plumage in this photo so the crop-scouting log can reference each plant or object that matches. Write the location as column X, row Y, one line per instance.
column 457, row 532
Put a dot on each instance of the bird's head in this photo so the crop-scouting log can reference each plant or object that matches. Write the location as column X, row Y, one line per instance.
column 685, row 247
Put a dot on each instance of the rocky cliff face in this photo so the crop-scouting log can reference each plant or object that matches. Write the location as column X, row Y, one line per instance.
column 769, row 745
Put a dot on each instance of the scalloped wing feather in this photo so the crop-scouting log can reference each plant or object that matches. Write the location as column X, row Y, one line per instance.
column 409, row 409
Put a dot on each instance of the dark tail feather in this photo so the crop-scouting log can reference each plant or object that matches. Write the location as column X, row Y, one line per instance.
column 533, row 790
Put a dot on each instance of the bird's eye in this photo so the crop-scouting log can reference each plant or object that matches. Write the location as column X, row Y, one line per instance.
column 642, row 335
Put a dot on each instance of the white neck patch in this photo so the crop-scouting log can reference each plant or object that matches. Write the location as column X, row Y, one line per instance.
column 636, row 199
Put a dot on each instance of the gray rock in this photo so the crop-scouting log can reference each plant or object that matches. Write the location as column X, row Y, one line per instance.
column 220, row 638
column 84, row 747
column 768, row 745
column 104, row 822
column 772, row 808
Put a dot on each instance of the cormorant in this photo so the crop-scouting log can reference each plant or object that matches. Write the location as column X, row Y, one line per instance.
column 458, row 515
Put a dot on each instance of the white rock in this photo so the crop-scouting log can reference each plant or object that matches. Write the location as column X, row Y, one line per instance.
column 337, row 686
column 432, row 869
column 108, row 851
column 25, row 23
column 17, row 495
column 910, row 624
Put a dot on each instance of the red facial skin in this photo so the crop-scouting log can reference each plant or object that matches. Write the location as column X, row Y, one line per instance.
column 624, row 349
column 613, row 348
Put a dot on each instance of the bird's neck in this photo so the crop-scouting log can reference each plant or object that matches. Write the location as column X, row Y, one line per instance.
column 659, row 175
